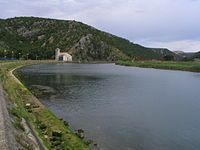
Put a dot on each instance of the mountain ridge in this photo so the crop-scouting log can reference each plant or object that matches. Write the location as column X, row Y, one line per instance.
column 34, row 37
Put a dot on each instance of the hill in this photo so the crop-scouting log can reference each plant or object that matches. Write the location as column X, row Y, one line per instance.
column 37, row 38
column 188, row 56
column 184, row 55
column 196, row 55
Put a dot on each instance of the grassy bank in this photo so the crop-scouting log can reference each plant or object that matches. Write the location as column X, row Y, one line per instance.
column 170, row 65
column 53, row 133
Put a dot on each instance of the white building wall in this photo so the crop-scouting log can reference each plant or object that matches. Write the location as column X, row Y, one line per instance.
column 66, row 56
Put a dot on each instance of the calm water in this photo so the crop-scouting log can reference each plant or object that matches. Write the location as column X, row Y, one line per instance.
column 123, row 108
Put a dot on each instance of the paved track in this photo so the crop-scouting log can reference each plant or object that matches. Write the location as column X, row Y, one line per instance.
column 7, row 141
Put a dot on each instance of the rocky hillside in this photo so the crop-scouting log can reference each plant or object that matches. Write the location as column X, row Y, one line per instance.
column 188, row 56
column 37, row 38
column 184, row 54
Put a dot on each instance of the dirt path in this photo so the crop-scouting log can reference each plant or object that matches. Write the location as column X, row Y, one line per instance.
column 7, row 140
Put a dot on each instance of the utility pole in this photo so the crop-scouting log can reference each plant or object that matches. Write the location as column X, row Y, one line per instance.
column 19, row 55
column 27, row 56
column 12, row 55
column 5, row 54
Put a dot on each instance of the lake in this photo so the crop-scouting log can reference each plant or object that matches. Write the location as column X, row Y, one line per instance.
column 122, row 108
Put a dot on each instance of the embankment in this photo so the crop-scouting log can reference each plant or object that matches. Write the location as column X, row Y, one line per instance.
column 51, row 132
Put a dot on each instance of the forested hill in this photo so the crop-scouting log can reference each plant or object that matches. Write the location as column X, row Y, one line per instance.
column 32, row 37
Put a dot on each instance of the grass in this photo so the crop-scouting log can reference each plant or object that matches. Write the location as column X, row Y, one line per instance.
column 170, row 65
column 41, row 119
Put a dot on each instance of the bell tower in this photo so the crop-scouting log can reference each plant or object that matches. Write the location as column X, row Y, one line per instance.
column 57, row 53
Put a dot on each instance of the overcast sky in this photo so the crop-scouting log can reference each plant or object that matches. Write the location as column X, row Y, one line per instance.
column 173, row 24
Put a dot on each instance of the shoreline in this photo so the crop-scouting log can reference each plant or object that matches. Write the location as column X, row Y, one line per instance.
column 44, row 123
column 165, row 65
column 32, row 131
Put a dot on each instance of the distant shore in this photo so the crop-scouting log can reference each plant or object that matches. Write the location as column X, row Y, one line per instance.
column 191, row 66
